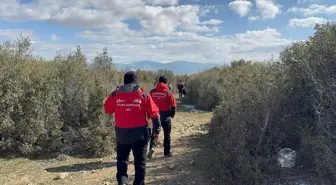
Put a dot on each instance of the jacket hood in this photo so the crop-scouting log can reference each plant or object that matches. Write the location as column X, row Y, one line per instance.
column 162, row 87
column 129, row 88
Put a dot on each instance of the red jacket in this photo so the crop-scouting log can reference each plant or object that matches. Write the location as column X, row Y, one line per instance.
column 131, row 108
column 163, row 98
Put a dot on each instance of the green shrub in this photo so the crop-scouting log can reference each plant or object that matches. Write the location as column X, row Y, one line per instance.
column 312, row 72
column 263, row 107
column 48, row 107
column 241, row 124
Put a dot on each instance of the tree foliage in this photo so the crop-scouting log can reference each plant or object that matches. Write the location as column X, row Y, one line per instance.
column 260, row 108
column 50, row 107
column 56, row 106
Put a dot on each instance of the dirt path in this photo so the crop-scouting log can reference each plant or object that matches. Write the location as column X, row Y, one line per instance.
column 183, row 168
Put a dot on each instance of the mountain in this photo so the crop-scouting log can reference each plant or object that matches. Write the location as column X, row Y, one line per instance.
column 178, row 67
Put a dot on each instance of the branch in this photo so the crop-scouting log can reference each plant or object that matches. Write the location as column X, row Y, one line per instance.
column 329, row 134
column 263, row 130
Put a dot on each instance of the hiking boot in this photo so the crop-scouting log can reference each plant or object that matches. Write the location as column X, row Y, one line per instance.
column 123, row 181
column 150, row 154
column 169, row 155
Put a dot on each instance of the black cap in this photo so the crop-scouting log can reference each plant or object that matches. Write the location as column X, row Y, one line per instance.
column 130, row 77
column 163, row 79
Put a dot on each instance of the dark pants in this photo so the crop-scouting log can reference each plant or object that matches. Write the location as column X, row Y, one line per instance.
column 166, row 125
column 180, row 94
column 139, row 152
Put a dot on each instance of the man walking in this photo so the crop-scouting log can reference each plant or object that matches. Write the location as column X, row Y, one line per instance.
column 180, row 87
column 131, row 105
column 166, row 102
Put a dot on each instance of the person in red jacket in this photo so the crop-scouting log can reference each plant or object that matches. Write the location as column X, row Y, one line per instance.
column 131, row 106
column 166, row 102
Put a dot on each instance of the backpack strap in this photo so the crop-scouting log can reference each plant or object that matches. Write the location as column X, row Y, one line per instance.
column 145, row 95
column 114, row 93
column 168, row 92
column 137, row 88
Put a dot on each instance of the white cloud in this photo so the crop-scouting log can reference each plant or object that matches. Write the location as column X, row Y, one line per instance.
column 253, row 44
column 307, row 22
column 171, row 18
column 268, row 9
column 213, row 22
column 162, row 2
column 261, row 38
column 109, row 13
column 241, row 7
column 54, row 37
column 307, row 1
column 314, row 9
column 167, row 33
column 331, row 9
column 208, row 9
column 13, row 34
column 253, row 18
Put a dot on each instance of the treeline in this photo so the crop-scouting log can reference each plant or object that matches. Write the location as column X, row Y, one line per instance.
column 260, row 108
column 148, row 79
column 52, row 107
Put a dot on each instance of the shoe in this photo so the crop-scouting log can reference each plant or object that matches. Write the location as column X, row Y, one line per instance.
column 150, row 154
column 123, row 181
column 169, row 155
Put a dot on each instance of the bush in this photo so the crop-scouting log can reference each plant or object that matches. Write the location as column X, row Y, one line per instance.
column 48, row 107
column 146, row 79
column 312, row 73
column 29, row 99
column 241, row 124
column 263, row 107
column 204, row 89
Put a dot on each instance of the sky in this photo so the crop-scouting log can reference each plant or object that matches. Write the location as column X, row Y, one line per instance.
column 207, row 31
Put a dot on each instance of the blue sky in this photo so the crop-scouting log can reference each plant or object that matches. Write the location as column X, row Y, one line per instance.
column 215, row 31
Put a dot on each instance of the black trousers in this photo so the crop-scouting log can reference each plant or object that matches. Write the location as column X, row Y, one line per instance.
column 139, row 152
column 166, row 125
column 180, row 94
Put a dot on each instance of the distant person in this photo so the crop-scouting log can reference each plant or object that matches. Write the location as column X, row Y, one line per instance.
column 131, row 105
column 166, row 102
column 180, row 87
